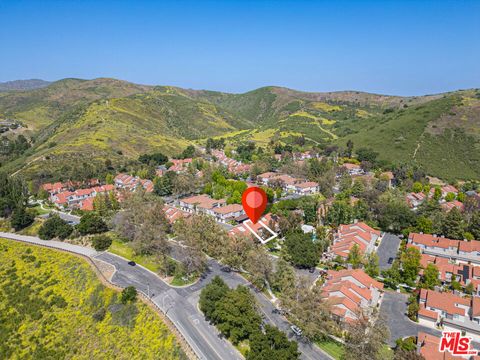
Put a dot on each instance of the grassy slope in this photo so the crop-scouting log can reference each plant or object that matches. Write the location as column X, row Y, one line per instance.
column 47, row 302
column 78, row 120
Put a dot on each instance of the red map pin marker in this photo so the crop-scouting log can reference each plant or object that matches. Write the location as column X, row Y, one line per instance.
column 254, row 202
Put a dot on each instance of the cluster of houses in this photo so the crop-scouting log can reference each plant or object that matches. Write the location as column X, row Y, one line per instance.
column 288, row 183
column 351, row 293
column 233, row 166
column 347, row 236
column 456, row 260
column 217, row 208
column 415, row 199
column 76, row 195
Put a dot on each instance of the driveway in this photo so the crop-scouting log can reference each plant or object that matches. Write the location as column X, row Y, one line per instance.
column 388, row 249
column 394, row 310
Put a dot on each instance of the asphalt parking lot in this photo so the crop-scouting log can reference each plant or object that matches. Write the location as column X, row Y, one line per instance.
column 388, row 249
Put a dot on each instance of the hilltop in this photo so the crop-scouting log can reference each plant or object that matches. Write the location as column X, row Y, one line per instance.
column 74, row 121
column 23, row 84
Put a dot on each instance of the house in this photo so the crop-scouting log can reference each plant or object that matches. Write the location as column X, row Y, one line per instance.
column 200, row 203
column 180, row 165
column 75, row 199
column 228, row 212
column 414, row 200
column 447, row 206
column 263, row 230
column 234, row 166
column 353, row 169
column 265, row 177
column 428, row 346
column 306, row 188
column 348, row 235
column 452, row 312
column 433, row 243
column 456, row 250
column 448, row 271
column 54, row 188
column 350, row 292
column 389, row 177
column 173, row 214
column 131, row 183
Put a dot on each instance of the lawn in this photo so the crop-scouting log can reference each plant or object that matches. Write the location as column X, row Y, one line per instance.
column 125, row 250
column 333, row 348
column 53, row 306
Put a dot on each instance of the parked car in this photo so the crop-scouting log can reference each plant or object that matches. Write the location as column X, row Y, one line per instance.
column 296, row 330
column 390, row 260
column 132, row 263
column 226, row 269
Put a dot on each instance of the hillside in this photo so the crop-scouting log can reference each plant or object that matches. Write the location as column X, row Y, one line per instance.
column 52, row 306
column 23, row 84
column 80, row 122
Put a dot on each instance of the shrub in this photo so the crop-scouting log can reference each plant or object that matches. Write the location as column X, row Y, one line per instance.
column 129, row 294
column 101, row 242
column 55, row 227
column 21, row 218
column 91, row 223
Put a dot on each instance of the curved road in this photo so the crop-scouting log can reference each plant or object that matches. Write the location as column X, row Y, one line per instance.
column 181, row 304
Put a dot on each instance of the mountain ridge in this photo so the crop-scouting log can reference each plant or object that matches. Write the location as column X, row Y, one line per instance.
column 93, row 120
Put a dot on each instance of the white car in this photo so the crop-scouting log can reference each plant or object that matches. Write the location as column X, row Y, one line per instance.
column 296, row 330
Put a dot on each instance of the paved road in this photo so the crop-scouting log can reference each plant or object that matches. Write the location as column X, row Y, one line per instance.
column 388, row 248
column 394, row 310
column 71, row 219
column 181, row 304
column 51, row 243
column 178, row 305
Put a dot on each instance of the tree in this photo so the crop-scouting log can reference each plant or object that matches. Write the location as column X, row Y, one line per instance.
column 437, row 194
column 392, row 276
column 453, row 225
column 163, row 186
column 355, row 256
column 189, row 152
column 450, row 196
column 129, row 294
column 273, row 344
column 413, row 307
column 475, row 225
column 365, row 154
column 210, row 295
column 101, row 242
column 284, row 276
column 308, row 308
column 204, row 232
column 417, row 187
column 301, row 250
column 395, row 215
column 455, row 285
column 349, row 148
column 259, row 265
column 365, row 342
column 470, row 288
column 372, row 266
column 411, row 265
column 21, row 218
column 424, row 225
column 235, row 315
column 340, row 212
column 91, row 223
column 430, row 277
column 54, row 227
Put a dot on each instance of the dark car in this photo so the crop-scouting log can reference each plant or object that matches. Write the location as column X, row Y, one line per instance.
column 390, row 260
column 226, row 269
column 132, row 263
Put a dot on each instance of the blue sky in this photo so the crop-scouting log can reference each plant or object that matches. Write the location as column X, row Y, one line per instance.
column 393, row 47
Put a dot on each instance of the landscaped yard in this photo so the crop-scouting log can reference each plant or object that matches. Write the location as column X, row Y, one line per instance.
column 333, row 348
column 124, row 250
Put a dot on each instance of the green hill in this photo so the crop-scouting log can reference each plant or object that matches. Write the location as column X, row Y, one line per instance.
column 52, row 306
column 75, row 121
